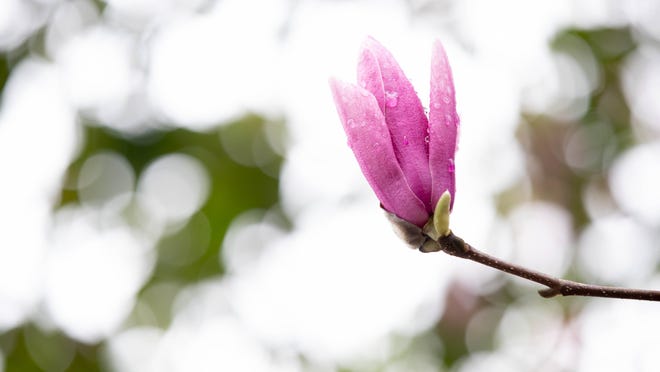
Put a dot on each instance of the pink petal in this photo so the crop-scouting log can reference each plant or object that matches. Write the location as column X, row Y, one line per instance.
column 369, row 139
column 443, row 125
column 379, row 73
column 370, row 77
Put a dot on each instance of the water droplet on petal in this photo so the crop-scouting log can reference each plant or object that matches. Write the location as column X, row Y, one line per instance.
column 448, row 119
column 450, row 166
column 427, row 139
column 391, row 99
column 445, row 98
column 437, row 105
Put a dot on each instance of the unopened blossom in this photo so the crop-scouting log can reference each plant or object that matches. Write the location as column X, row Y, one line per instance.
column 407, row 157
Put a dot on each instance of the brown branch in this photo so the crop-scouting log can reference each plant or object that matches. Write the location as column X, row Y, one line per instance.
column 455, row 246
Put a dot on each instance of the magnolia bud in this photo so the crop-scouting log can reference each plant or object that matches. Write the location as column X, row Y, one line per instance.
column 441, row 215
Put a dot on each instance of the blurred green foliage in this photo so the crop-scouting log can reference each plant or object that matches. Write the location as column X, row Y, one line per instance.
column 193, row 252
column 33, row 350
column 602, row 133
column 235, row 187
column 4, row 72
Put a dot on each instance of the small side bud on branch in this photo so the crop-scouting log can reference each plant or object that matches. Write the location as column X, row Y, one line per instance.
column 441, row 215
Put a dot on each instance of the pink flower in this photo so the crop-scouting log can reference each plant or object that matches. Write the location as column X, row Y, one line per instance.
column 407, row 158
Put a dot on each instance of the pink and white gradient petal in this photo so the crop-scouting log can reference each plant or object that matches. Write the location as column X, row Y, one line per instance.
column 443, row 125
column 404, row 115
column 369, row 138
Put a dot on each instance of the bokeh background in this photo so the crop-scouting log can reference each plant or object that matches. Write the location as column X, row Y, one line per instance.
column 176, row 193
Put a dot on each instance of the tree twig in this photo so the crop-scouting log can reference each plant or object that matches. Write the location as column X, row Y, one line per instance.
column 455, row 246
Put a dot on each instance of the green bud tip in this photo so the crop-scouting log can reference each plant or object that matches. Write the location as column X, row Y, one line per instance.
column 441, row 215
